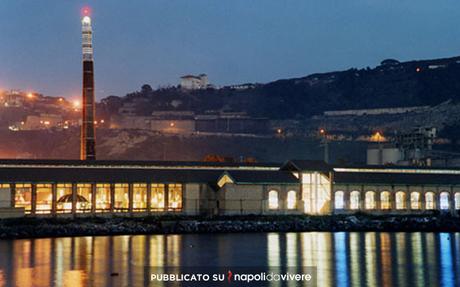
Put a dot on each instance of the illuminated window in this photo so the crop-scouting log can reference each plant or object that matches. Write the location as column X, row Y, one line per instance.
column 292, row 199
column 339, row 200
column 23, row 197
column 444, row 200
column 84, row 197
column 4, row 185
column 415, row 200
column 44, row 198
column 64, row 197
column 103, row 201
column 273, row 199
column 157, row 200
column 429, row 201
column 175, row 196
column 385, row 201
column 400, row 200
column 457, row 200
column 316, row 193
column 139, row 196
column 354, row 199
column 121, row 203
column 370, row 200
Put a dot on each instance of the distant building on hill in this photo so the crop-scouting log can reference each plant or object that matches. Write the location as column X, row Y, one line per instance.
column 191, row 82
column 12, row 99
column 390, row 62
column 379, row 111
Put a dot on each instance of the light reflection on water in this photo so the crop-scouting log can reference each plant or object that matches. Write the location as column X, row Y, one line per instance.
column 342, row 259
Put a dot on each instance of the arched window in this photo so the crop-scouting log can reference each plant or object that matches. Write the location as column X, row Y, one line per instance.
column 444, row 200
column 415, row 200
column 429, row 201
column 400, row 200
column 339, row 200
column 385, row 202
column 370, row 200
column 292, row 199
column 457, row 200
column 354, row 199
column 273, row 199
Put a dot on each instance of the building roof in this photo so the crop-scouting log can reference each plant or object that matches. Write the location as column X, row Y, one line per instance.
column 190, row 77
column 126, row 164
column 321, row 166
column 102, row 175
column 253, row 176
column 307, row 165
column 395, row 178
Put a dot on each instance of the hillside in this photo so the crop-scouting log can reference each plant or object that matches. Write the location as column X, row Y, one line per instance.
column 391, row 84
column 146, row 145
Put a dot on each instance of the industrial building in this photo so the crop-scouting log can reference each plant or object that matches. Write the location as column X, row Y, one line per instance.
column 90, row 187
column 82, row 188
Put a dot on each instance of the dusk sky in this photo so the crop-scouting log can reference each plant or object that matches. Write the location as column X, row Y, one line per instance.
column 236, row 41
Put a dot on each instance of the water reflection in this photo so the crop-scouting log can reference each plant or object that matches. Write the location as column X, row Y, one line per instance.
column 343, row 259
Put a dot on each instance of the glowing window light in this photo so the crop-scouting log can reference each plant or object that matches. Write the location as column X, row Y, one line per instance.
column 121, row 202
column 444, row 200
column 84, row 192
column 457, row 200
column 429, row 201
column 157, row 200
column 175, row 196
column 273, row 199
column 370, row 200
column 23, row 196
column 400, row 200
column 139, row 196
column 415, row 200
column 43, row 198
column 103, row 199
column 64, row 197
column 385, row 202
column 292, row 199
column 354, row 199
column 339, row 200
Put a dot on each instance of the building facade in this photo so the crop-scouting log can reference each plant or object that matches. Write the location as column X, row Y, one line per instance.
column 191, row 82
column 79, row 188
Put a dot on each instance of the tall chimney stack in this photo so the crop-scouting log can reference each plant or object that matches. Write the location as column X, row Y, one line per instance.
column 88, row 135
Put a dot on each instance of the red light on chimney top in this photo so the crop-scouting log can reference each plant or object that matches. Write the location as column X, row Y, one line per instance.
column 86, row 11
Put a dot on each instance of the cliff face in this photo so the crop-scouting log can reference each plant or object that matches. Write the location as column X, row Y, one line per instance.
column 147, row 145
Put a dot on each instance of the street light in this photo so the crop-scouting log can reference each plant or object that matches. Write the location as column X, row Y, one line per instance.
column 325, row 142
column 379, row 138
column 76, row 103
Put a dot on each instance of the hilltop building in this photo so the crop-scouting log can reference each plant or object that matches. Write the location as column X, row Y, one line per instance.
column 191, row 82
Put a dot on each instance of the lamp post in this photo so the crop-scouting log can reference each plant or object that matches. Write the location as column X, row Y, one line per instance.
column 325, row 143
